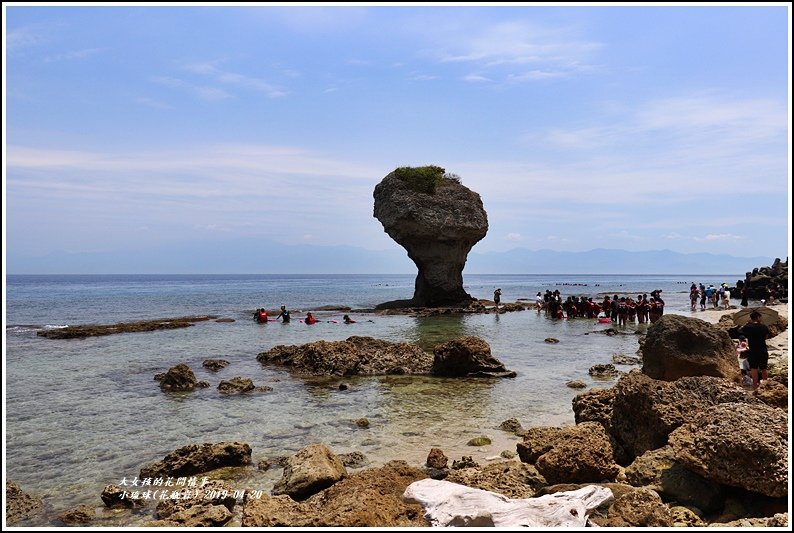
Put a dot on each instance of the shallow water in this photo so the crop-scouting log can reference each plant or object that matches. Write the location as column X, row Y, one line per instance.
column 85, row 413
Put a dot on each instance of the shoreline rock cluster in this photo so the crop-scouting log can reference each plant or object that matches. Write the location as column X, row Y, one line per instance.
column 679, row 442
column 95, row 330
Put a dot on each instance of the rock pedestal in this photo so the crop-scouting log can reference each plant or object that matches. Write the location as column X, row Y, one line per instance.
column 437, row 220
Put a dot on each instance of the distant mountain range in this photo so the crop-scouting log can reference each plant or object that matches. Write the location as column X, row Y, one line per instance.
column 265, row 257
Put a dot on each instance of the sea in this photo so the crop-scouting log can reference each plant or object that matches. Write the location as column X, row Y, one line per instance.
column 84, row 413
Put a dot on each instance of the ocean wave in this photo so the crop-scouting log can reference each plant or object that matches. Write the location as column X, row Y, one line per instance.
column 27, row 328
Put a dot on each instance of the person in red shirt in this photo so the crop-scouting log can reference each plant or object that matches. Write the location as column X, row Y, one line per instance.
column 309, row 318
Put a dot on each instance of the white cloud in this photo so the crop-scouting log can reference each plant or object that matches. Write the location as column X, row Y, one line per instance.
column 720, row 237
column 211, row 69
column 514, row 237
column 27, row 36
column 424, row 77
column 476, row 78
column 74, row 55
column 202, row 92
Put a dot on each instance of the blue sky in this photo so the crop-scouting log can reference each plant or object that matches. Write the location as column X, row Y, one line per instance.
column 639, row 128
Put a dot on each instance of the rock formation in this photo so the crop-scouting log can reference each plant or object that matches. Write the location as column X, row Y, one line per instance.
column 19, row 504
column 678, row 346
column 437, row 220
column 198, row 458
column 309, row 471
column 758, row 282
column 467, row 356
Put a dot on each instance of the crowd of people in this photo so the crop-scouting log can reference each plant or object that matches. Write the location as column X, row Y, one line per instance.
column 618, row 309
column 718, row 297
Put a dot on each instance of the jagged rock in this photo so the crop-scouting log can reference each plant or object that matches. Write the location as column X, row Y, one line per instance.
column 772, row 393
column 622, row 359
column 576, row 384
column 594, row 405
column 236, row 385
column 82, row 514
column 179, row 378
column 353, row 459
column 638, row 508
column 779, row 520
column 467, row 356
column 362, row 422
column 645, row 411
column 372, row 497
column 512, row 425
column 213, row 492
column 197, row 516
column 685, row 517
column 19, row 504
column 309, row 471
column 465, row 462
column 678, row 346
column 449, row 504
column 727, row 444
column 578, row 454
column 215, row 364
column 618, row 489
column 437, row 227
column 436, row 458
column 114, row 496
column 198, row 458
column 266, row 464
column 658, row 470
column 354, row 356
column 758, row 282
column 509, row 478
column 551, row 340
column 603, row 371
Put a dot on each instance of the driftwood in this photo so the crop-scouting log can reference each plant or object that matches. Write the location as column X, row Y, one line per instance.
column 450, row 504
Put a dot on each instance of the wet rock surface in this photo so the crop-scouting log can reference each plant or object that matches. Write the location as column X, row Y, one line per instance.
column 95, row 330
column 467, row 356
column 20, row 504
column 199, row 458
column 510, row 478
column 179, row 378
column 215, row 364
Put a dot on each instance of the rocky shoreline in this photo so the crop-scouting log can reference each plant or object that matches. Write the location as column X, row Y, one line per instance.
column 678, row 443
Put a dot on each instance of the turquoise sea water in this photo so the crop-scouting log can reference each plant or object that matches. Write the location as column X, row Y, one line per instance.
column 84, row 413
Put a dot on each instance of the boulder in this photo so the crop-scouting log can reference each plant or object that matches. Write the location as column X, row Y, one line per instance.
column 449, row 504
column 372, row 497
column 198, row 458
column 82, row 514
column 482, row 440
column 779, row 520
column 178, row 378
column 772, row 393
column 645, row 411
column 353, row 356
column 638, row 508
column 437, row 220
column 594, row 405
column 206, row 515
column 678, row 346
column 467, row 356
column 512, row 425
column 685, row 517
column 213, row 493
column 658, row 470
column 114, row 497
column 508, row 478
column 578, row 454
column 465, row 462
column 236, row 385
column 19, row 504
column 436, row 458
column 758, row 282
column 215, row 364
column 576, row 384
column 737, row 445
column 353, row 459
column 311, row 470
column 603, row 371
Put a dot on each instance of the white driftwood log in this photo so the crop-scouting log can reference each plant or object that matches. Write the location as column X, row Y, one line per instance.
column 450, row 504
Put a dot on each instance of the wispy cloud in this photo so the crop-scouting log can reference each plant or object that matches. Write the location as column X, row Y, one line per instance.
column 424, row 77
column 74, row 55
column 476, row 78
column 151, row 102
column 26, row 37
column 514, row 237
column 211, row 69
column 503, row 51
column 201, row 91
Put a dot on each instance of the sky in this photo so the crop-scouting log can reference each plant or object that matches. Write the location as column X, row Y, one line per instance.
column 634, row 127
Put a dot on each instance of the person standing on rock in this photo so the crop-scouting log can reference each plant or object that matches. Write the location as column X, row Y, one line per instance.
column 497, row 297
column 758, row 355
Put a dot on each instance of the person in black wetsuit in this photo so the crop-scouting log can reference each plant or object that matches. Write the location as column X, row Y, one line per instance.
column 757, row 355
column 283, row 315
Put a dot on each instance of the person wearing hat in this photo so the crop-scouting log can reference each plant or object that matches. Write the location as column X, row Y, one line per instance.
column 744, row 363
column 497, row 296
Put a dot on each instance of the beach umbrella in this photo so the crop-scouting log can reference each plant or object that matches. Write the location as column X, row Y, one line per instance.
column 768, row 316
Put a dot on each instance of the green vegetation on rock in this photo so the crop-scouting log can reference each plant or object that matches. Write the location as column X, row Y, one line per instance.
column 424, row 179
column 479, row 441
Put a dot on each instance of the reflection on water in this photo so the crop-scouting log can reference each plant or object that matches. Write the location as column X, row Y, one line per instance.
column 429, row 331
